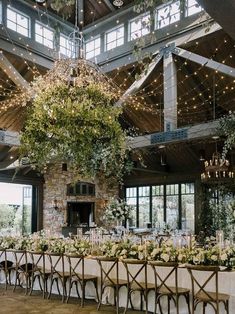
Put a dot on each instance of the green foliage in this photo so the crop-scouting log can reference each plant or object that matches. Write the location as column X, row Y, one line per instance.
column 59, row 5
column 7, row 214
column 227, row 129
column 78, row 125
column 218, row 209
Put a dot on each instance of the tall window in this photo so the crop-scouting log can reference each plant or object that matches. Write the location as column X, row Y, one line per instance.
column 170, row 203
column 92, row 47
column 15, row 208
column 144, row 206
column 139, row 26
column 187, row 200
column 66, row 46
column 168, row 14
column 192, row 7
column 131, row 198
column 157, row 205
column 44, row 35
column 114, row 37
column 18, row 22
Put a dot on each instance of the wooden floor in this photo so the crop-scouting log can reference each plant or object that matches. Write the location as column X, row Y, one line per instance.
column 17, row 303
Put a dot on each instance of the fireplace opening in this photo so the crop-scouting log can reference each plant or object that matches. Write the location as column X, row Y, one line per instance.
column 80, row 214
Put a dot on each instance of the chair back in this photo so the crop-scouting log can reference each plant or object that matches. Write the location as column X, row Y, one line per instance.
column 76, row 265
column 109, row 271
column 19, row 259
column 163, row 278
column 57, row 265
column 2, row 259
column 38, row 261
column 136, row 271
column 208, row 278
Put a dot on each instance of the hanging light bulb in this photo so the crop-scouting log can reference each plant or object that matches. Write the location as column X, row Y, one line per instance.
column 118, row 3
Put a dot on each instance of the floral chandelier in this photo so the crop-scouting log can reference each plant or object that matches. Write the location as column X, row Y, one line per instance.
column 73, row 119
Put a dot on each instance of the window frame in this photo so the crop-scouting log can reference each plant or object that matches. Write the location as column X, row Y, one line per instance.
column 136, row 20
column 164, row 195
column 70, row 51
column 187, row 9
column 116, row 39
column 90, row 40
column 165, row 5
column 18, row 13
column 43, row 37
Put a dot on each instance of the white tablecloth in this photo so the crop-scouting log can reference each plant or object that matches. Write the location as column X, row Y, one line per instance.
column 226, row 285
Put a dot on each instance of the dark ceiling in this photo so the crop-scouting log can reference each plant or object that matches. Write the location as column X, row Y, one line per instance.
column 93, row 9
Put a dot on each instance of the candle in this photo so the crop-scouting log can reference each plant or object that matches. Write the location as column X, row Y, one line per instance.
column 189, row 241
column 220, row 240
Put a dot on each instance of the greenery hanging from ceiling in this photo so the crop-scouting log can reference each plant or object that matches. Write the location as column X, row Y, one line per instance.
column 63, row 6
column 58, row 5
column 227, row 128
column 73, row 119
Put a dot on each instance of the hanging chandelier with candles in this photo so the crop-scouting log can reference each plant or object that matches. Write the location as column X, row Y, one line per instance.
column 217, row 167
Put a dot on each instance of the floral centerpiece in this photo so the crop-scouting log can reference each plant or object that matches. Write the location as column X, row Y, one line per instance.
column 117, row 210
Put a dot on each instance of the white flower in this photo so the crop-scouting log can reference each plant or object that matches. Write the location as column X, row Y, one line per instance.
column 180, row 257
column 197, row 259
column 123, row 252
column 214, row 258
column 224, row 257
column 141, row 256
column 165, row 257
column 155, row 252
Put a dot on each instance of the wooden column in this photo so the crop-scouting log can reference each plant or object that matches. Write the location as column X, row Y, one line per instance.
column 170, row 92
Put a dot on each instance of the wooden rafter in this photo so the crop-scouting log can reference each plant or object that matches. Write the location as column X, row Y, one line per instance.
column 11, row 71
column 138, row 83
column 109, row 5
column 209, row 63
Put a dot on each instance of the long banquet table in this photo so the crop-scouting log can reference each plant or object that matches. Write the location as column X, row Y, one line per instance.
column 226, row 285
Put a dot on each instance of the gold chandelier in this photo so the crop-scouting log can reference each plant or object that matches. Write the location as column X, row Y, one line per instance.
column 216, row 168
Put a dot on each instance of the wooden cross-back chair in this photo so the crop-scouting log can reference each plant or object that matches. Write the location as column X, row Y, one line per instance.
column 109, row 278
column 21, row 267
column 5, row 267
column 162, row 288
column 134, row 270
column 57, row 273
column 39, row 271
column 77, row 276
column 200, row 294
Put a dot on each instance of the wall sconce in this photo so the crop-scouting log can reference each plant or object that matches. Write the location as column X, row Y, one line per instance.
column 163, row 160
column 56, row 207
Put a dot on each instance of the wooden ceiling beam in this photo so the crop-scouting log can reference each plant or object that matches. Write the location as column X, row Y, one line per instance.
column 11, row 71
column 80, row 13
column 206, row 62
column 109, row 5
column 138, row 83
column 194, row 132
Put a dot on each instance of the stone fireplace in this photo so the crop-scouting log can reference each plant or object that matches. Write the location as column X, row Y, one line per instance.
column 70, row 193
column 80, row 213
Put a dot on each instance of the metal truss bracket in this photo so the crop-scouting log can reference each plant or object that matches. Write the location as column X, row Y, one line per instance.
column 165, row 51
